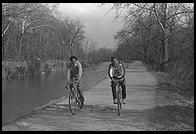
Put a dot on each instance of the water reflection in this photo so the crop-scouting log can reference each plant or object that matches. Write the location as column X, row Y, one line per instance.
column 21, row 96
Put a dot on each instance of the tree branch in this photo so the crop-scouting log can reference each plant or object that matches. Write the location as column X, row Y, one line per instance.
column 144, row 7
column 4, row 32
column 179, row 13
column 74, row 37
column 159, row 22
column 40, row 18
column 39, row 27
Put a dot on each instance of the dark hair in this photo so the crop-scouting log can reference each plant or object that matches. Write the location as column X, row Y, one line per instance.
column 112, row 59
column 73, row 57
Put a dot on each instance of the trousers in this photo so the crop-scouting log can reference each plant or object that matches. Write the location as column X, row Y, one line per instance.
column 122, row 84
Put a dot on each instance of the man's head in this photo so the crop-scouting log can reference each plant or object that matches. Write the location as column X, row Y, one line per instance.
column 73, row 59
column 114, row 60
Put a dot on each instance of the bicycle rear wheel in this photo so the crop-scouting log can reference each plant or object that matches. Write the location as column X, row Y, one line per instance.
column 72, row 103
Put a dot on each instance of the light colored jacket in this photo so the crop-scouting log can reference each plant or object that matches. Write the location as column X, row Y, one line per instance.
column 116, row 71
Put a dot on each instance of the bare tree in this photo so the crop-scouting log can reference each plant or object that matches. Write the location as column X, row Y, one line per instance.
column 27, row 15
column 76, row 33
column 131, row 13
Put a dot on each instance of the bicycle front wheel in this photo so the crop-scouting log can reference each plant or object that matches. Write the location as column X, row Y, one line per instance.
column 72, row 103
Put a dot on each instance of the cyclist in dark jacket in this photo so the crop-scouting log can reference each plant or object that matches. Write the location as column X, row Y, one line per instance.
column 116, row 71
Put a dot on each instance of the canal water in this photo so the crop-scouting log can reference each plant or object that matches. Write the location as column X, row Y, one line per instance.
column 20, row 97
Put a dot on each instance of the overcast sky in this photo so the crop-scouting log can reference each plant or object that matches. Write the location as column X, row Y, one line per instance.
column 99, row 26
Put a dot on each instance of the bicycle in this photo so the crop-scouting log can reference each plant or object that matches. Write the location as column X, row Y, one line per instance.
column 74, row 98
column 119, row 98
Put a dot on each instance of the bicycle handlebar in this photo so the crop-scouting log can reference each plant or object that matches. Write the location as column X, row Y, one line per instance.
column 73, row 80
column 118, row 79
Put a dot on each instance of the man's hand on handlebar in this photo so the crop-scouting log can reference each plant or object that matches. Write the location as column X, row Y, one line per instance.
column 113, row 79
column 117, row 79
column 77, row 80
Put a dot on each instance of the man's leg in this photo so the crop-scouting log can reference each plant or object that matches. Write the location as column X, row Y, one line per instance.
column 80, row 92
column 81, row 96
column 122, row 83
column 113, row 85
column 71, row 85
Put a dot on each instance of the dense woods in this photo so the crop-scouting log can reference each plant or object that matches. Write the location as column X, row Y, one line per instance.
column 31, row 30
column 37, row 31
column 162, row 36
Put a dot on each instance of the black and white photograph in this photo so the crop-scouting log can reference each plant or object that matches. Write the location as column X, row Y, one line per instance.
column 97, row 66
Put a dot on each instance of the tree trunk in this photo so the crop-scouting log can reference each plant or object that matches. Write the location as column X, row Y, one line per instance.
column 144, row 48
column 42, row 53
column 166, row 49
column 71, row 50
column 21, row 39
column 61, row 52
column 72, row 53
column 3, row 48
column 149, row 31
column 4, row 40
column 157, row 57
column 20, row 47
column 162, row 23
column 145, row 53
column 72, row 42
column 165, row 41
column 53, row 54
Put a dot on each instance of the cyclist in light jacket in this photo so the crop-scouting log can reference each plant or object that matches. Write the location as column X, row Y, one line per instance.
column 116, row 71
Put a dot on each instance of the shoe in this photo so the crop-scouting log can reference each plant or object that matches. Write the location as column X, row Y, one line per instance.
column 115, row 101
column 82, row 104
column 123, row 101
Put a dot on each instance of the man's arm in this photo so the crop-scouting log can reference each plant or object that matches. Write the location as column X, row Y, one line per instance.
column 110, row 72
column 80, row 70
column 123, row 65
column 68, row 73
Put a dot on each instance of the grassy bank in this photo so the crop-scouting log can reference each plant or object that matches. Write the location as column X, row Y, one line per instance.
column 22, row 69
column 172, row 89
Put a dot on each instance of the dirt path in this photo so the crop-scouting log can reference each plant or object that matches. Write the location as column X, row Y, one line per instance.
column 147, row 109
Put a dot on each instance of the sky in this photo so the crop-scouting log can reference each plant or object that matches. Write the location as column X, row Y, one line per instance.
column 100, row 25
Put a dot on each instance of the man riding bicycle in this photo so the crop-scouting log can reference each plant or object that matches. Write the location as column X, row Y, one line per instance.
column 74, row 70
column 116, row 72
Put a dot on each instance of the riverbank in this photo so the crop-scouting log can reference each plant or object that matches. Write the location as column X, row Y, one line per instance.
column 39, row 91
column 24, row 69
